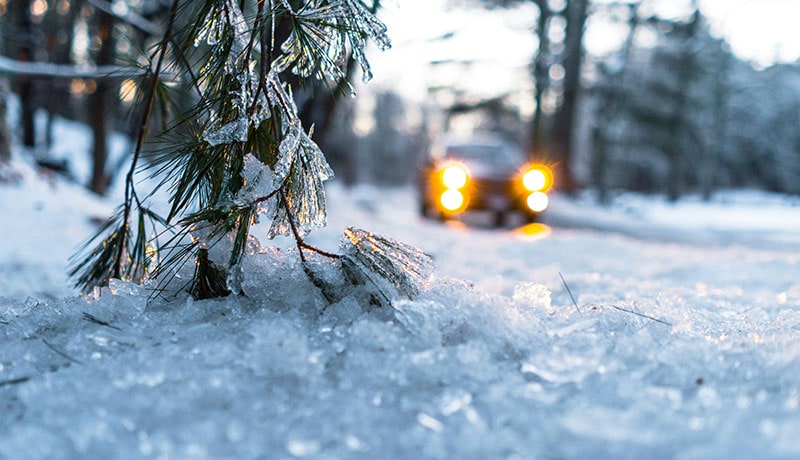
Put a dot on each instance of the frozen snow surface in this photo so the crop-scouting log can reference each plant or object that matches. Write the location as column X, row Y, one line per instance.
column 684, row 341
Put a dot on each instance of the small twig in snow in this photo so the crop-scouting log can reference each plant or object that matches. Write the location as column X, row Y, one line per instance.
column 15, row 381
column 642, row 315
column 60, row 353
column 93, row 319
column 569, row 292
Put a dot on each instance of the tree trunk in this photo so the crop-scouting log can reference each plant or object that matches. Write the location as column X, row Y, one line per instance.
column 541, row 78
column 26, row 88
column 101, row 108
column 721, row 93
column 565, row 117
column 610, row 103
column 5, row 135
column 678, row 150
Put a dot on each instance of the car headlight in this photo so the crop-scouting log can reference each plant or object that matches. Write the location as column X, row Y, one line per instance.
column 538, row 201
column 537, row 178
column 452, row 200
column 454, row 176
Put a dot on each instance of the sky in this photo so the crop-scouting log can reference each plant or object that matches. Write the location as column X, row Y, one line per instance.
column 762, row 31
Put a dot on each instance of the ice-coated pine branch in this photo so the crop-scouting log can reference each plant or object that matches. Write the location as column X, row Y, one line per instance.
column 241, row 154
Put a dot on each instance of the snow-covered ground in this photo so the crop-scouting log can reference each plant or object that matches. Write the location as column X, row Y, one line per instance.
column 684, row 343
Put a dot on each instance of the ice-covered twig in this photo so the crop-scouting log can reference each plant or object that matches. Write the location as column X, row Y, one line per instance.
column 301, row 244
column 397, row 269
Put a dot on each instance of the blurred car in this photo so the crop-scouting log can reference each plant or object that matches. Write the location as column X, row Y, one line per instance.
column 482, row 175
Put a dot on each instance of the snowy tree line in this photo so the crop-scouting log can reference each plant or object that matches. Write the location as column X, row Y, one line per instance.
column 673, row 114
column 686, row 115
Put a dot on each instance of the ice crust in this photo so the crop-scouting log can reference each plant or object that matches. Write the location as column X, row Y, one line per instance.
column 454, row 373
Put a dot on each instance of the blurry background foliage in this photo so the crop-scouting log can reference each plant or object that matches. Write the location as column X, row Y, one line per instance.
column 671, row 111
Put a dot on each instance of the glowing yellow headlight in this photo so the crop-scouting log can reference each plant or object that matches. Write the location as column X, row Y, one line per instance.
column 538, row 201
column 537, row 178
column 452, row 200
column 455, row 176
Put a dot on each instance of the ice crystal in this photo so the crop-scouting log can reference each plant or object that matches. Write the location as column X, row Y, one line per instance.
column 213, row 29
column 233, row 131
column 396, row 268
column 322, row 29
column 300, row 171
column 280, row 96
column 258, row 183
column 217, row 24
column 251, row 107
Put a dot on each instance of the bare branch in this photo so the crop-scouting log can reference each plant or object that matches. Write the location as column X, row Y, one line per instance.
column 49, row 70
column 128, row 17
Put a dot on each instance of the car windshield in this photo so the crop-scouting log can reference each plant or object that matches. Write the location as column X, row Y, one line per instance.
column 491, row 155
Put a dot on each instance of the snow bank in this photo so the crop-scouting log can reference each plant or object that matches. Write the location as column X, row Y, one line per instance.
column 455, row 373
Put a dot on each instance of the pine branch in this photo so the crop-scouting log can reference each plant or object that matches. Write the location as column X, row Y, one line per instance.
column 130, row 192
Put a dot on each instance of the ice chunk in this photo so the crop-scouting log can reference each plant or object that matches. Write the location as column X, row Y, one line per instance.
column 251, row 108
column 258, row 183
column 397, row 269
column 234, row 131
column 300, row 171
column 532, row 296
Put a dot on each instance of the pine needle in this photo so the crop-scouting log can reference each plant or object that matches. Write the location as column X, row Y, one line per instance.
column 652, row 318
column 61, row 353
column 15, row 381
column 93, row 319
column 574, row 302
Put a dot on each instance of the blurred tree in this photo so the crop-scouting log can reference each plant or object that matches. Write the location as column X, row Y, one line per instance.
column 556, row 71
column 564, row 120
column 609, row 102
column 5, row 135
column 18, row 34
column 686, row 115
column 52, row 44
column 102, row 102
column 394, row 147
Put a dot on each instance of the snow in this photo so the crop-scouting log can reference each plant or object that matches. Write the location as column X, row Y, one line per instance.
column 684, row 342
